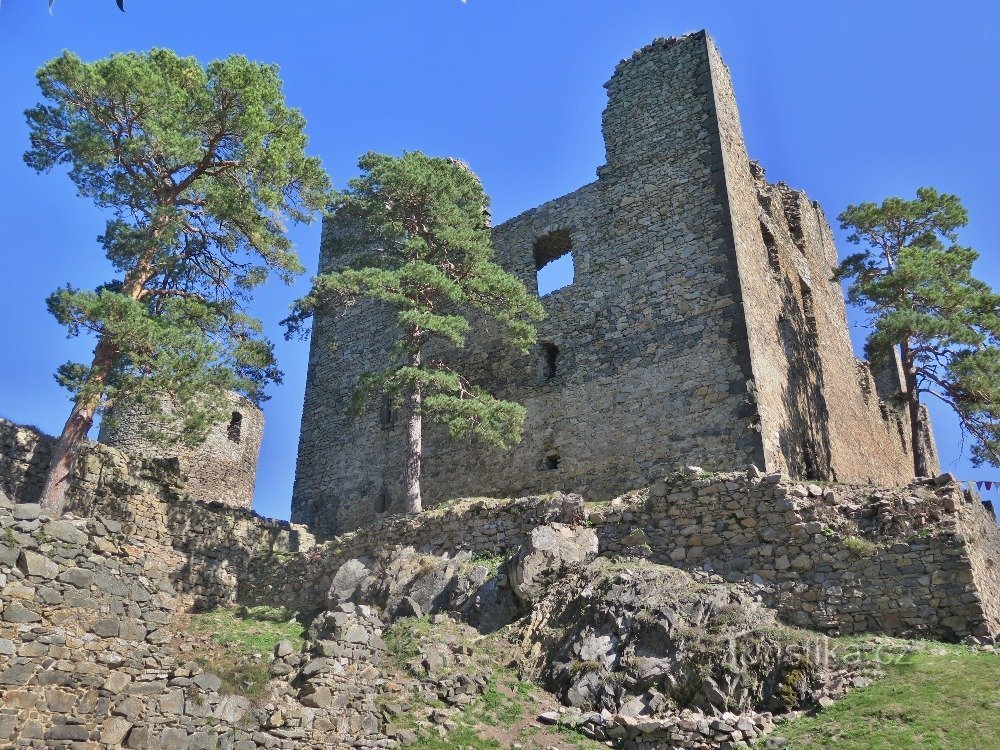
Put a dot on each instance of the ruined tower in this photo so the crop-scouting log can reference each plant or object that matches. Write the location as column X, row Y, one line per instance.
column 222, row 469
column 701, row 327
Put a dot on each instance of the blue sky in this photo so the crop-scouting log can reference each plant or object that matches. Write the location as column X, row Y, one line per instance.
column 850, row 101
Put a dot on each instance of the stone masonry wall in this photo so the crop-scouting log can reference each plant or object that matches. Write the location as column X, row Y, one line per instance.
column 912, row 561
column 148, row 498
column 652, row 365
column 702, row 326
column 821, row 415
column 915, row 561
column 222, row 469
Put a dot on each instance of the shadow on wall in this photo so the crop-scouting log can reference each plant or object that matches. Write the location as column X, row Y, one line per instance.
column 25, row 453
column 805, row 438
column 234, row 557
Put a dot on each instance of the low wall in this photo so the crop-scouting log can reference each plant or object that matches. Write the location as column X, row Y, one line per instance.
column 914, row 561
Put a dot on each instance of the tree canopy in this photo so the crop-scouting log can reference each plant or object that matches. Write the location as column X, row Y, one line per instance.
column 423, row 222
column 917, row 287
column 200, row 169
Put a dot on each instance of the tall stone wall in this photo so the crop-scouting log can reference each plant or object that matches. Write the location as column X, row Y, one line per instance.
column 702, row 325
column 651, row 364
column 222, row 469
column 821, row 415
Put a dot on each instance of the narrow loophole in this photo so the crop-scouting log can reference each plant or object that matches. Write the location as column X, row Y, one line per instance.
column 235, row 429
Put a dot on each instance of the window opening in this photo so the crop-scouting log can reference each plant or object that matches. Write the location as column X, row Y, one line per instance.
column 551, row 352
column 235, row 429
column 552, row 460
column 554, row 261
column 385, row 413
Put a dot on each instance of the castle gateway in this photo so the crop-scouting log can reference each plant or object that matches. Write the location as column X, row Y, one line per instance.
column 701, row 326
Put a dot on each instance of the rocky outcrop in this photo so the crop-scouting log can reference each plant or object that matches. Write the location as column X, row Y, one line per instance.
column 551, row 552
column 639, row 639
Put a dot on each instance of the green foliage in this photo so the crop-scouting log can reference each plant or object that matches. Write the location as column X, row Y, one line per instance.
column 859, row 546
column 249, row 636
column 200, row 169
column 429, row 256
column 935, row 698
column 402, row 638
column 918, row 290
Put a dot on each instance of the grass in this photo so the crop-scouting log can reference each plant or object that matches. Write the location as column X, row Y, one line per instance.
column 248, row 636
column 402, row 638
column 460, row 737
column 860, row 547
column 936, row 698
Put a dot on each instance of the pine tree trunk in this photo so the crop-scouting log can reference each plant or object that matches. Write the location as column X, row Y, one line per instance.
column 913, row 407
column 414, row 447
column 81, row 419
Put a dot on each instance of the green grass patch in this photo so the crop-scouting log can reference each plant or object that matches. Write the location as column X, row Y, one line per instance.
column 936, row 698
column 464, row 737
column 860, row 547
column 249, row 636
column 496, row 707
column 402, row 638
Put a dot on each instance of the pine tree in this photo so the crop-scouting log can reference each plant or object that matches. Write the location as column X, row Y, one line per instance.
column 432, row 261
column 199, row 169
column 917, row 288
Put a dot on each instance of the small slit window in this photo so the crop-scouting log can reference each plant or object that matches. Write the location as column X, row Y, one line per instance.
column 235, row 429
column 386, row 416
column 554, row 261
column 552, row 460
column 550, row 360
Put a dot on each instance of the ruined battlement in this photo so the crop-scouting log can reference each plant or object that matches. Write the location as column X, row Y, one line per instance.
column 223, row 468
column 701, row 325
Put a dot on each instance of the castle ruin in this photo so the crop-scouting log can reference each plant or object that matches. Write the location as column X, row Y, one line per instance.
column 223, row 468
column 702, row 326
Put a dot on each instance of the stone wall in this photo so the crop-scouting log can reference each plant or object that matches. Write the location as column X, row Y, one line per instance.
column 649, row 369
column 222, row 469
column 148, row 497
column 91, row 655
column 921, row 560
column 913, row 561
column 702, row 325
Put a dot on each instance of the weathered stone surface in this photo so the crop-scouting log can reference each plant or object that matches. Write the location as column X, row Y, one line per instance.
column 222, row 468
column 38, row 565
column 711, row 648
column 16, row 612
column 346, row 581
column 551, row 552
column 692, row 276
column 64, row 531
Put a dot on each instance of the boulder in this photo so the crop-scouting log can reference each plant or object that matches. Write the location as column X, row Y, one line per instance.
column 647, row 638
column 551, row 552
column 346, row 581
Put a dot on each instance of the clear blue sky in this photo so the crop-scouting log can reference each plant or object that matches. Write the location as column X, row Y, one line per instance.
column 849, row 100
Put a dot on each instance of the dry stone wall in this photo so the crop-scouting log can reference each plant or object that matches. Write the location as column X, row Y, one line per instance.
column 702, row 325
column 918, row 560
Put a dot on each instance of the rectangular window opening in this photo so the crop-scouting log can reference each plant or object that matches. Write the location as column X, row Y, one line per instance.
column 550, row 363
column 554, row 261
